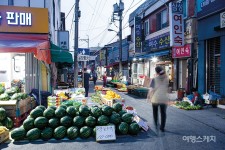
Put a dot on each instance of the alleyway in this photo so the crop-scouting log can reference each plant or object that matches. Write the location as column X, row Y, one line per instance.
column 181, row 125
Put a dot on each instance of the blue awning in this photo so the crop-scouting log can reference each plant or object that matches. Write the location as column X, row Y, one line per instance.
column 162, row 53
column 150, row 55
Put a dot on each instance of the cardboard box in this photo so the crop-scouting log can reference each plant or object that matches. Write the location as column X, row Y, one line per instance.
column 15, row 108
column 4, row 136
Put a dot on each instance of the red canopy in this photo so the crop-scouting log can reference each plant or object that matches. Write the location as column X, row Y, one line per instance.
column 26, row 43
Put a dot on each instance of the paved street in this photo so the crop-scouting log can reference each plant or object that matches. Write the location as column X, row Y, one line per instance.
column 180, row 125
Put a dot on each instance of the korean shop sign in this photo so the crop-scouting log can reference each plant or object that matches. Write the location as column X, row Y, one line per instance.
column 137, row 34
column 207, row 7
column 222, row 20
column 176, row 24
column 181, row 51
column 159, row 42
column 23, row 19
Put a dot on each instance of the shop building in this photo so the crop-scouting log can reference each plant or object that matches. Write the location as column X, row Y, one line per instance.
column 211, row 46
column 156, row 45
column 26, row 30
column 111, row 60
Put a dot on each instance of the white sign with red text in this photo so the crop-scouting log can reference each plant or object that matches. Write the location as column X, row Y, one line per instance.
column 181, row 51
column 176, row 25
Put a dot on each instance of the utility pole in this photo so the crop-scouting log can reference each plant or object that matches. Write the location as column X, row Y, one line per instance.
column 77, row 15
column 120, row 36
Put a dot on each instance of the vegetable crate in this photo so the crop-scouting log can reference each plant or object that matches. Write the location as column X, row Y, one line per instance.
column 18, row 121
column 4, row 136
column 16, row 108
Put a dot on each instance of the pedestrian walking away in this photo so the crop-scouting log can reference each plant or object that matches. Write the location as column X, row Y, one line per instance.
column 158, row 96
column 104, row 79
column 94, row 76
column 86, row 81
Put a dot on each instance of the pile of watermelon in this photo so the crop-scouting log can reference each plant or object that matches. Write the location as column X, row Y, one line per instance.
column 73, row 122
column 4, row 120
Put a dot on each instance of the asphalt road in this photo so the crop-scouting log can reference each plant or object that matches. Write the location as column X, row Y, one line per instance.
column 208, row 125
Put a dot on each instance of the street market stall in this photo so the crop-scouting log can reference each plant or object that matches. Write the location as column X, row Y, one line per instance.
column 75, row 118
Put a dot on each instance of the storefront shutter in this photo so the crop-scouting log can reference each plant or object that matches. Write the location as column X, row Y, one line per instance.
column 213, row 58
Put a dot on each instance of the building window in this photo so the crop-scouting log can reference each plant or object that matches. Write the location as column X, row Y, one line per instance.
column 146, row 28
column 161, row 20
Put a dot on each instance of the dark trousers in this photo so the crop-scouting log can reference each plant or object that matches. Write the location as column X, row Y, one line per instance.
column 94, row 80
column 86, row 91
column 162, row 112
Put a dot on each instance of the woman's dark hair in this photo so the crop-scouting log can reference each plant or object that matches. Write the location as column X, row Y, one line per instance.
column 159, row 70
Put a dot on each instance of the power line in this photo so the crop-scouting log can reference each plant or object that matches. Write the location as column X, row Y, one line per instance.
column 94, row 22
column 92, row 15
column 112, row 39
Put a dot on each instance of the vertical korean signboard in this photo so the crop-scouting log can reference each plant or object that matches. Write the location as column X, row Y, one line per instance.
column 176, row 24
column 137, row 34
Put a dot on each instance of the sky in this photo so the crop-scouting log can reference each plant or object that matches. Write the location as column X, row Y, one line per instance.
column 95, row 21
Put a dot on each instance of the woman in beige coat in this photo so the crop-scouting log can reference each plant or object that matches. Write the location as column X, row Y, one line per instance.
column 158, row 96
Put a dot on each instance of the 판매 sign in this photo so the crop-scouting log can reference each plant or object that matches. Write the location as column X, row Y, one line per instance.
column 105, row 133
column 23, row 19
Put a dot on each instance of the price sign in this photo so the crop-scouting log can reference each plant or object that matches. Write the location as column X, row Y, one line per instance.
column 105, row 133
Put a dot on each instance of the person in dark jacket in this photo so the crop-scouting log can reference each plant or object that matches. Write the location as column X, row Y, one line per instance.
column 94, row 76
column 86, row 78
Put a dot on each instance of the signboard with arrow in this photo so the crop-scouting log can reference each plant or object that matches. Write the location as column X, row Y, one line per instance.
column 83, row 54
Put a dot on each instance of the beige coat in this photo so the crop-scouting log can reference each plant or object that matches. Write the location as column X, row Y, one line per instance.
column 160, row 90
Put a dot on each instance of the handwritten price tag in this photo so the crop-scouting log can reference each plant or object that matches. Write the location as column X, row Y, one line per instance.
column 105, row 133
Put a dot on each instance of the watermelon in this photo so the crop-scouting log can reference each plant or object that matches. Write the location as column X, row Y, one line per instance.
column 1, row 124
column 94, row 132
column 107, row 110
column 60, row 132
column 2, row 114
column 40, row 122
column 60, row 112
column 63, row 106
column 115, row 118
column 103, row 120
column 33, row 134
column 71, row 111
column 123, row 128
column 42, row 107
column 117, row 107
column 78, row 121
column 127, row 117
column 84, row 110
column 53, row 122
column 66, row 121
column 18, row 133
column 90, row 121
column 134, row 128
column 122, row 112
column 96, row 111
column 49, row 113
column 53, row 107
column 8, row 123
column 72, row 132
column 37, row 112
column 47, row 133
column 85, row 132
